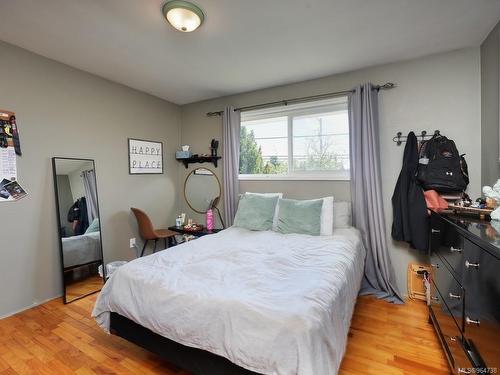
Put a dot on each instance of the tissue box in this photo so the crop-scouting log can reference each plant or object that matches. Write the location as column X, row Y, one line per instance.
column 183, row 154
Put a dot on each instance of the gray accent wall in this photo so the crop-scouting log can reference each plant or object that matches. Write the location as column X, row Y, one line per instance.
column 62, row 111
column 490, row 69
column 435, row 92
column 65, row 202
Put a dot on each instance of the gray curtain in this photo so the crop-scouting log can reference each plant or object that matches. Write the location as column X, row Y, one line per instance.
column 89, row 184
column 366, row 193
column 230, row 161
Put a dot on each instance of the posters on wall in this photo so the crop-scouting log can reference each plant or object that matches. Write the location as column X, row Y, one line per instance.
column 10, row 147
column 145, row 157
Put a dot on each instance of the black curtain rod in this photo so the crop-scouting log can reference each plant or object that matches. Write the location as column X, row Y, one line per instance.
column 385, row 86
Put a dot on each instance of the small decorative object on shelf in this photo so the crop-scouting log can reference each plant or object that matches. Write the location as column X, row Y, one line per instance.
column 214, row 145
column 184, row 154
column 193, row 227
column 482, row 213
column 210, row 219
column 492, row 194
column 187, row 158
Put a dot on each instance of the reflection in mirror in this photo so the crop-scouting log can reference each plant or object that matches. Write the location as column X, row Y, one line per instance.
column 201, row 190
column 79, row 228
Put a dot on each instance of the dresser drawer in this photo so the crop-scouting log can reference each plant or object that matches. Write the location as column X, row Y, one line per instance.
column 448, row 243
column 449, row 290
column 481, row 280
column 445, row 238
column 451, row 334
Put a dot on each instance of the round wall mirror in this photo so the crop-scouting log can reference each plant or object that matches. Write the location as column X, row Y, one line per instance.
column 202, row 190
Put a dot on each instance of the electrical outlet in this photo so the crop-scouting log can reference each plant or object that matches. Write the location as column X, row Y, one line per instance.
column 132, row 243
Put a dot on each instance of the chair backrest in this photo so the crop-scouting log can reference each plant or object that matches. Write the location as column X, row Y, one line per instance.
column 146, row 229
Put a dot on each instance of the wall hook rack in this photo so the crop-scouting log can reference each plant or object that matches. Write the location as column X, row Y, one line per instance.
column 400, row 138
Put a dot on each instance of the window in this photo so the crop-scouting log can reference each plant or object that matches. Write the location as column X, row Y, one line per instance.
column 296, row 142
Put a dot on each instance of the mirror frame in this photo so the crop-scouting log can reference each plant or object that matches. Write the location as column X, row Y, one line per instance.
column 218, row 183
column 59, row 232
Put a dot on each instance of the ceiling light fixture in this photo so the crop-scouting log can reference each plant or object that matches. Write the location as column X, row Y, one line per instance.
column 183, row 15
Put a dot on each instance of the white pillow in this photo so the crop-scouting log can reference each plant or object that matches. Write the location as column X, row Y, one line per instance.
column 327, row 217
column 275, row 218
column 342, row 214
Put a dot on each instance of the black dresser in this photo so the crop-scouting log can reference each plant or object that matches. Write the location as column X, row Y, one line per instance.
column 465, row 291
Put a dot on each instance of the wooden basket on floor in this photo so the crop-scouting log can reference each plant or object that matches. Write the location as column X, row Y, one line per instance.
column 416, row 288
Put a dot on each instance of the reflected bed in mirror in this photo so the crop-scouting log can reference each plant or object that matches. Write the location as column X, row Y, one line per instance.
column 79, row 226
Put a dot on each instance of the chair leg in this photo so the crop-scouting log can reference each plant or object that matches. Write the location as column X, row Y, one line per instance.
column 144, row 247
column 166, row 242
column 154, row 248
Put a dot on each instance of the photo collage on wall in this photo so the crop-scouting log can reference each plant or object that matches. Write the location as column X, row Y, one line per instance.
column 10, row 148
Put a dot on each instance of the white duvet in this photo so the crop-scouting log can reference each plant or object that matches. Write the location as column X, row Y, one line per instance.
column 271, row 303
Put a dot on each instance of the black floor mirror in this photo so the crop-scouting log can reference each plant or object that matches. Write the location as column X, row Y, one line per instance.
column 79, row 228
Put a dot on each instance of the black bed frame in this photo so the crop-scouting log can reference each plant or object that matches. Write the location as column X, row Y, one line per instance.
column 197, row 361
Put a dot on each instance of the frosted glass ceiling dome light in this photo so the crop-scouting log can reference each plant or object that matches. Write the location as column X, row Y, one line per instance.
column 183, row 15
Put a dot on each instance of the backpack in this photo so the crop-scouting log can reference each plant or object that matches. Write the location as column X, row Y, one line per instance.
column 441, row 167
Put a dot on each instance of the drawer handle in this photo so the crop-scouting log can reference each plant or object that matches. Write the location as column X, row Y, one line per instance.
column 435, row 298
column 472, row 321
column 452, row 338
column 454, row 296
column 473, row 265
column 435, row 265
column 455, row 249
column 435, row 231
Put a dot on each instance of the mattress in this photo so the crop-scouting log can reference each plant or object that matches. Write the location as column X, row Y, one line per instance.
column 268, row 302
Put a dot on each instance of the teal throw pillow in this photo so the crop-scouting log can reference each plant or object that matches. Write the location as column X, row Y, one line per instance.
column 297, row 216
column 255, row 212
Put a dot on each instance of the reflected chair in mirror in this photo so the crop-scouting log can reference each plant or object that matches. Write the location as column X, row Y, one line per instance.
column 148, row 233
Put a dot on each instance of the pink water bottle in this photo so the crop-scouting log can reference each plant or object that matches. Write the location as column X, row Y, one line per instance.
column 210, row 219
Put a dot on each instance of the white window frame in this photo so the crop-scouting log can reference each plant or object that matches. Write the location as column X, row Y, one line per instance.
column 291, row 111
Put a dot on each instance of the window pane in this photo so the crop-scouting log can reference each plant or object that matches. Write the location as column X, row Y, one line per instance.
column 264, row 146
column 321, row 142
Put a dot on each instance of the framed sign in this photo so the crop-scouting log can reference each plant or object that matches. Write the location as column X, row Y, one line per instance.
column 145, row 157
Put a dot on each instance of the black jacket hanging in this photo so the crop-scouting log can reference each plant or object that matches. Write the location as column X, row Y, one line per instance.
column 410, row 219
column 78, row 212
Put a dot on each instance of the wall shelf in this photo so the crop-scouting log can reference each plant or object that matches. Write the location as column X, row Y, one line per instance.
column 200, row 159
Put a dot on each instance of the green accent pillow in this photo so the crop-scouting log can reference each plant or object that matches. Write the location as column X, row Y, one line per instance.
column 303, row 217
column 93, row 227
column 255, row 212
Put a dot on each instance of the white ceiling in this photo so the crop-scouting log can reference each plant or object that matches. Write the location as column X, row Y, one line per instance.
column 244, row 44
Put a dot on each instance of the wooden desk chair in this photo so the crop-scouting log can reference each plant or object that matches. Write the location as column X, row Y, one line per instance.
column 147, row 231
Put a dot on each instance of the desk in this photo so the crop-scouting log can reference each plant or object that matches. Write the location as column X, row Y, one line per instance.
column 200, row 233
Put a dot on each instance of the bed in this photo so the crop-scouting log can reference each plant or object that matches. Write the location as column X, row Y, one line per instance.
column 82, row 249
column 268, row 303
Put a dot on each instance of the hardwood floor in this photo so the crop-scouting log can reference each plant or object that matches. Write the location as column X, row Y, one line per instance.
column 63, row 339
column 83, row 287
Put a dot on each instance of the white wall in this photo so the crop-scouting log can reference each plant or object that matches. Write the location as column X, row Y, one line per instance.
column 436, row 92
column 76, row 181
column 62, row 111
